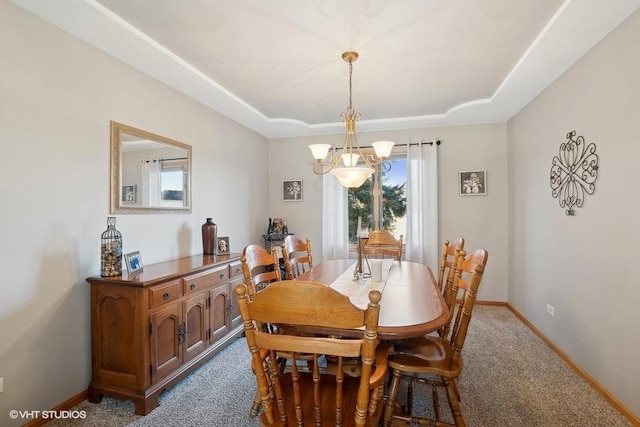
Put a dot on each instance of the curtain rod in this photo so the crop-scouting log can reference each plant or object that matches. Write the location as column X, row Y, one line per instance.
column 175, row 158
column 435, row 141
column 164, row 160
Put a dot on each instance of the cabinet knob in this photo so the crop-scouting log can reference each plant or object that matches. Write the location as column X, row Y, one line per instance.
column 222, row 275
column 166, row 295
column 193, row 286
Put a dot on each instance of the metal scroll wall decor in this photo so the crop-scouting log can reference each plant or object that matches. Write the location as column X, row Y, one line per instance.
column 574, row 172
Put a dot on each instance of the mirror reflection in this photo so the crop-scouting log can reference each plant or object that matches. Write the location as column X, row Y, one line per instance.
column 149, row 172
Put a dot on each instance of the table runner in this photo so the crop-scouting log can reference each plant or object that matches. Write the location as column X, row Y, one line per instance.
column 358, row 291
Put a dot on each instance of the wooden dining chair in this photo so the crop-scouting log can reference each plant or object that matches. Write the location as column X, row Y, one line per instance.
column 320, row 397
column 381, row 244
column 259, row 267
column 437, row 360
column 448, row 262
column 297, row 256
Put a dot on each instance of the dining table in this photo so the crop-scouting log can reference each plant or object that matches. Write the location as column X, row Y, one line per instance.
column 411, row 303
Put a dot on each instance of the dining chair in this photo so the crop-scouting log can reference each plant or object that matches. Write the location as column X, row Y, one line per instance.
column 380, row 244
column 297, row 256
column 448, row 262
column 318, row 397
column 259, row 267
column 437, row 360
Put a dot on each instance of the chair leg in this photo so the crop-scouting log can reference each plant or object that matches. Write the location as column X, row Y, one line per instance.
column 454, row 404
column 455, row 386
column 409, row 408
column 436, row 402
column 256, row 405
column 392, row 397
column 376, row 395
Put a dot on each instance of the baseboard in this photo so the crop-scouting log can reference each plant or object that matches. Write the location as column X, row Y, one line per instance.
column 64, row 406
column 635, row 420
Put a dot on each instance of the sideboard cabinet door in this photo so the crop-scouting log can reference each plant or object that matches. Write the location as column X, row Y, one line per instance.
column 196, row 325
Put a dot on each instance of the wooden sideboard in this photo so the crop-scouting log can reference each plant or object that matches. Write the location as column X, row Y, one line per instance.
column 150, row 329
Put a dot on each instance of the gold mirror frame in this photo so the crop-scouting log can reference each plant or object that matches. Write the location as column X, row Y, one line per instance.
column 121, row 134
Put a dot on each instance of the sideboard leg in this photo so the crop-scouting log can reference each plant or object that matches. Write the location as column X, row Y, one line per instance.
column 144, row 406
column 94, row 395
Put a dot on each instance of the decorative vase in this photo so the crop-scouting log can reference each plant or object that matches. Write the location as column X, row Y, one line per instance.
column 285, row 229
column 270, row 228
column 111, row 250
column 209, row 237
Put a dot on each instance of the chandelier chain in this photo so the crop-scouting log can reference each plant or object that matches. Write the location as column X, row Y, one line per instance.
column 350, row 90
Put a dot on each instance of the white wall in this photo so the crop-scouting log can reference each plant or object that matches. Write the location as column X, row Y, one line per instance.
column 57, row 96
column 481, row 220
column 584, row 265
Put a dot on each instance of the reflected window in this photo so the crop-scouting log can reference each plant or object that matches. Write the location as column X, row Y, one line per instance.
column 173, row 182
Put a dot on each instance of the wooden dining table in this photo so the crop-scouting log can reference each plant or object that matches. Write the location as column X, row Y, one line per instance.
column 411, row 304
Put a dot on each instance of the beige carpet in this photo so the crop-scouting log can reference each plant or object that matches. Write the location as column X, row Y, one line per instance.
column 511, row 378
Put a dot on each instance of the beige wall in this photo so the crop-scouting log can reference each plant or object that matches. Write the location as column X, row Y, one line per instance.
column 481, row 220
column 57, row 96
column 584, row 265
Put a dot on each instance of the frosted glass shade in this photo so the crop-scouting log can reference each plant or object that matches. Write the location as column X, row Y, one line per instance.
column 350, row 160
column 383, row 148
column 352, row 177
column 319, row 151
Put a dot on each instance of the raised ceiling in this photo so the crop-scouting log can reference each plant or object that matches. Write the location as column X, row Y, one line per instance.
column 275, row 66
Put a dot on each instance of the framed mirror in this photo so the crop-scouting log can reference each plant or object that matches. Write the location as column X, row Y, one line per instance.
column 149, row 173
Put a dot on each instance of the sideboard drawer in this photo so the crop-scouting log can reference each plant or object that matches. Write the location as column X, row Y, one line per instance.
column 164, row 294
column 235, row 270
column 201, row 281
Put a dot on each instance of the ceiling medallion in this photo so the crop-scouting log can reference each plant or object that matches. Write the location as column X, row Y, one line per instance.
column 574, row 172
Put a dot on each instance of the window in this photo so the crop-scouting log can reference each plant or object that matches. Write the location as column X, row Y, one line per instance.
column 389, row 196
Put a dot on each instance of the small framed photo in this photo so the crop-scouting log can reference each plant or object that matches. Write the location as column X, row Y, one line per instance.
column 473, row 183
column 133, row 260
column 292, row 190
column 223, row 246
column 129, row 193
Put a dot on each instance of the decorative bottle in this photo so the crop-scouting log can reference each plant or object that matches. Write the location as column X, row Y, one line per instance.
column 285, row 229
column 111, row 250
column 209, row 237
column 270, row 229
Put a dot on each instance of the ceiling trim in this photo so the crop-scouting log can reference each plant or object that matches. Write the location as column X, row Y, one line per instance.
column 565, row 39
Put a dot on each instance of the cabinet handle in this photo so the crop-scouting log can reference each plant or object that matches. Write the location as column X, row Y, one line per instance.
column 193, row 286
column 222, row 275
column 166, row 295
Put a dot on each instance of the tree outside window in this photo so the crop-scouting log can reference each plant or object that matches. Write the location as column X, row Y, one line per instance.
column 392, row 195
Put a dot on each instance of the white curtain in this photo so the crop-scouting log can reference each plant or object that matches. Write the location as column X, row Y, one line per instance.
column 335, row 219
column 422, row 243
column 150, row 182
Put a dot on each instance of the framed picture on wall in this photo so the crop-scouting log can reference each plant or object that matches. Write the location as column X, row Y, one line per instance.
column 473, row 183
column 129, row 193
column 223, row 246
column 292, row 190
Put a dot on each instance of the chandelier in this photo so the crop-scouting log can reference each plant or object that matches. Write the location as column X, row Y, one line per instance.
column 357, row 166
